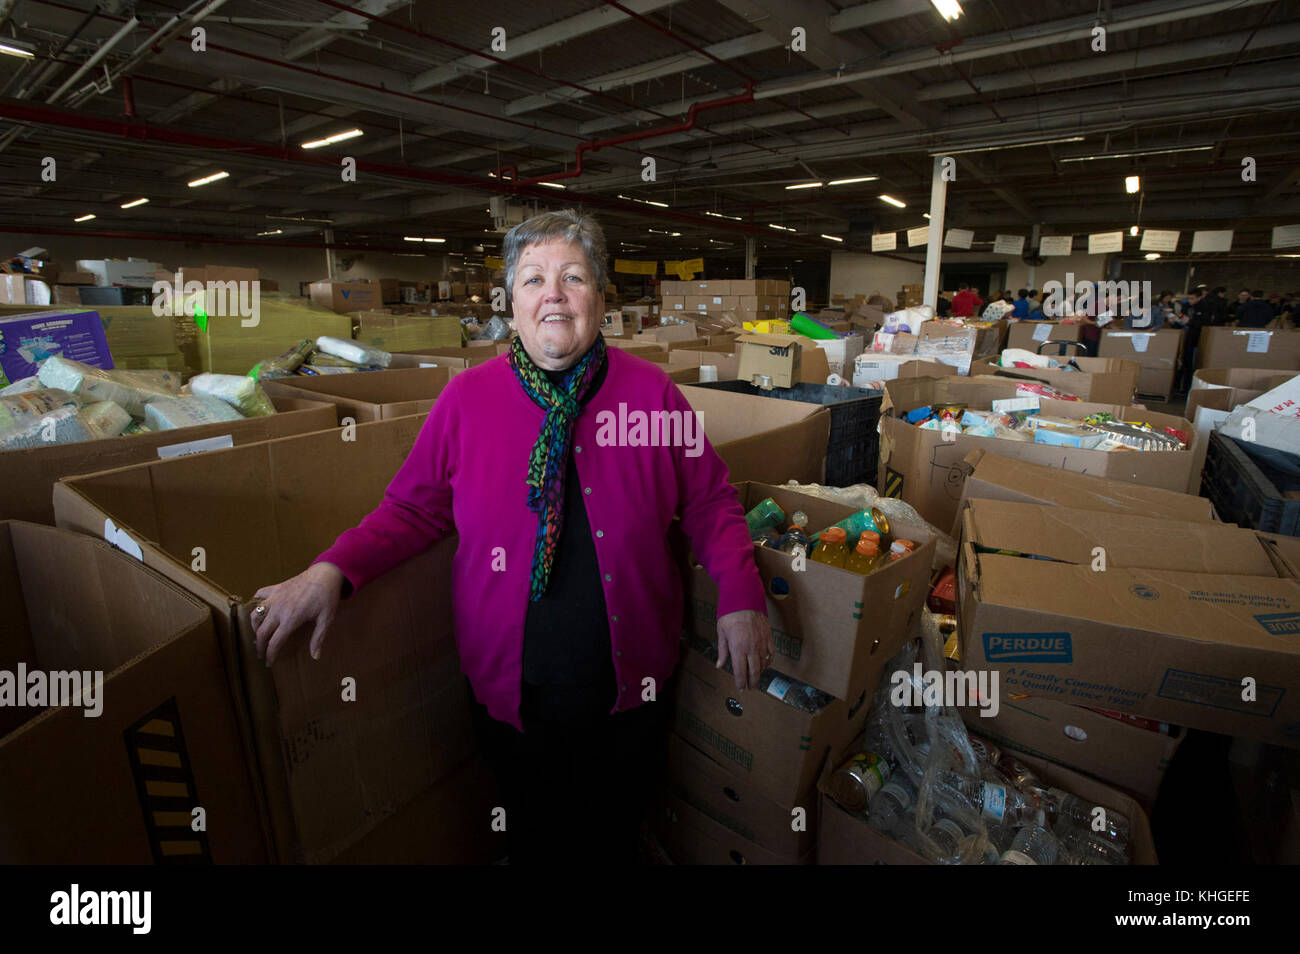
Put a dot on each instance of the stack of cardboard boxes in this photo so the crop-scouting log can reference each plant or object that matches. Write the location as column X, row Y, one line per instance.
column 749, row 299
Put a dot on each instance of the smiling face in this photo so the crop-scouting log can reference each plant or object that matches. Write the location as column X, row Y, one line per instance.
column 557, row 306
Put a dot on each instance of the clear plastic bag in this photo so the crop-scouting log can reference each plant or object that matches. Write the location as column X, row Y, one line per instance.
column 131, row 389
column 354, row 351
column 239, row 391
column 172, row 413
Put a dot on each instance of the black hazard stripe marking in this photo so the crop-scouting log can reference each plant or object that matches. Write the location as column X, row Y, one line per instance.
column 893, row 483
column 164, row 783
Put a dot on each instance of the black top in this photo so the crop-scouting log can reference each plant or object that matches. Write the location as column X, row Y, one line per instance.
column 1255, row 313
column 568, row 660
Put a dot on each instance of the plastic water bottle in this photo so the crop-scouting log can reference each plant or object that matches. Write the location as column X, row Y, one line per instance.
column 996, row 803
column 1067, row 810
column 793, row 539
column 890, row 805
column 792, row 692
column 1033, row 845
column 1079, row 847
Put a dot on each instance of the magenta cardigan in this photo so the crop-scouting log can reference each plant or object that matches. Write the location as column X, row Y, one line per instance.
column 466, row 474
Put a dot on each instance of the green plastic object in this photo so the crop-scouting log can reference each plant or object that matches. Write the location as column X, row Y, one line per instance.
column 766, row 514
column 805, row 326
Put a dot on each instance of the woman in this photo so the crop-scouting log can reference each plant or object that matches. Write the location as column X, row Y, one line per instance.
column 567, row 603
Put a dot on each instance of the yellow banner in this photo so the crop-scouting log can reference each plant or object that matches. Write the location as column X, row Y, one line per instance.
column 684, row 270
column 629, row 267
column 494, row 263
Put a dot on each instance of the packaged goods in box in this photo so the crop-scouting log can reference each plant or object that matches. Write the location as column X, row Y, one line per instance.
column 371, row 395
column 832, row 628
column 777, row 747
column 760, row 439
column 332, row 770
column 1156, row 352
column 26, row 340
column 225, row 346
column 345, row 297
column 1100, row 380
column 784, row 359
column 734, row 802
column 1183, row 613
column 841, row 353
column 1248, row 348
column 923, row 466
column 164, row 736
column 29, row 475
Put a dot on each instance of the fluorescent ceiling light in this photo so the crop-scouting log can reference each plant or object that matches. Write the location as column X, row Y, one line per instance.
column 1133, row 230
column 993, row 147
column 662, row 232
column 330, row 140
column 783, row 228
column 833, row 238
column 659, row 205
column 1132, row 184
column 926, row 214
column 553, row 185
column 892, row 201
column 948, row 9
column 1130, row 155
column 85, row 218
column 272, row 232
column 719, row 215
column 416, row 238
column 297, row 218
column 206, row 179
column 18, row 48
column 806, row 185
column 132, row 205
column 853, row 180
column 1152, row 256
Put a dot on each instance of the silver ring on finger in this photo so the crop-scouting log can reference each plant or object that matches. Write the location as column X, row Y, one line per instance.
column 260, row 611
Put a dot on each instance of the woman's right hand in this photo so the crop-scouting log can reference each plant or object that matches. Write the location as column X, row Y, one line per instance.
column 311, row 596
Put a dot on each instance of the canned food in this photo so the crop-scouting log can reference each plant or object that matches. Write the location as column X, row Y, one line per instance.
column 856, row 782
column 949, row 412
column 880, row 521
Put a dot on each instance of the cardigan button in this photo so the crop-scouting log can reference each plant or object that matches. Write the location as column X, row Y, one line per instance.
column 614, row 618
column 586, row 490
column 577, row 450
column 599, row 534
column 608, row 578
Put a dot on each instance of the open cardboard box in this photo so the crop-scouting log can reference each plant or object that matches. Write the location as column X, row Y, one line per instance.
column 366, row 396
column 1129, row 757
column 1101, row 380
column 120, row 787
column 1156, row 352
column 1031, row 334
column 648, row 351
column 762, row 439
column 1181, row 615
column 728, row 364
column 332, row 770
column 925, row 469
column 29, row 475
column 991, row 476
column 787, row 359
column 832, row 628
column 847, row 839
column 777, row 748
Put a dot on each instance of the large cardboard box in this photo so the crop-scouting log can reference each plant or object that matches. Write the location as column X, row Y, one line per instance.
column 1101, row 380
column 1215, row 393
column 369, row 395
column 227, row 347
column 761, row 439
column 137, row 333
column 1248, row 348
column 649, row 351
column 777, row 748
column 728, row 365
column 735, row 802
column 959, row 345
column 832, row 628
column 29, row 475
column 120, row 787
column 28, row 339
column 841, row 353
column 1030, row 335
column 219, row 273
column 1157, row 353
column 344, row 297
column 396, row 333
column 990, row 476
column 926, row 470
column 332, row 767
column 692, row 837
column 763, row 286
column 786, row 359
column 847, row 839
column 131, row 272
column 1129, row 757
column 1190, row 623
column 18, row 288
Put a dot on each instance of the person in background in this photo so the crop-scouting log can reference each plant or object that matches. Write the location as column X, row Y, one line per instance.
column 998, row 307
column 1215, row 307
column 1253, row 311
column 1243, row 296
column 1163, row 311
column 942, row 306
column 566, row 595
column 966, row 302
column 1020, row 309
column 1191, row 320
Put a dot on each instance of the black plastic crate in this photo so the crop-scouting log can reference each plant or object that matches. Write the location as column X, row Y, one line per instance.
column 853, row 448
column 1246, row 483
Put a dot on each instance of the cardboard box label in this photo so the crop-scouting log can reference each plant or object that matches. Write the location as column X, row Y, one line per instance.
column 1257, row 342
column 1203, row 689
column 1042, row 332
column 1028, row 647
column 196, row 447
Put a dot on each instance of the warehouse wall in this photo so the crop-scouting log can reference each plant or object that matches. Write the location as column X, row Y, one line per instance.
column 288, row 266
column 855, row 273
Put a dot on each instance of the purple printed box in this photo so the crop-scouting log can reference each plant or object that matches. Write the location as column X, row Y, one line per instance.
column 26, row 340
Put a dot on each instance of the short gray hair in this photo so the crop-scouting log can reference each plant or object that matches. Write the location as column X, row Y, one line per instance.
column 568, row 225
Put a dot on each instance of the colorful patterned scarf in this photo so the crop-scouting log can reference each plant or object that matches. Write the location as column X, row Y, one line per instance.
column 548, row 463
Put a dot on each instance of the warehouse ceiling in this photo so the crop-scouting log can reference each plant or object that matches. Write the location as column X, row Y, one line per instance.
column 733, row 100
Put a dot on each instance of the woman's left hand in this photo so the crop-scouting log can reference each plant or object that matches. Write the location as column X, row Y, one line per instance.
column 745, row 638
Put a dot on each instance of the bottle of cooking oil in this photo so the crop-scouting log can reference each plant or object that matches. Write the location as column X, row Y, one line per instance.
column 833, row 548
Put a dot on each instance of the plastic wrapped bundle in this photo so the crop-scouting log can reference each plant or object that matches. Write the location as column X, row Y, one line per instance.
column 131, row 389
column 22, row 386
column 495, row 330
column 39, row 418
column 242, row 393
column 322, row 360
column 104, row 419
column 284, row 365
column 170, row 413
column 354, row 351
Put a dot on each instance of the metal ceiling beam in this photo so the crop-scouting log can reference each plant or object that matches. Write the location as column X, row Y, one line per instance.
column 878, row 11
column 319, row 37
column 534, row 41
